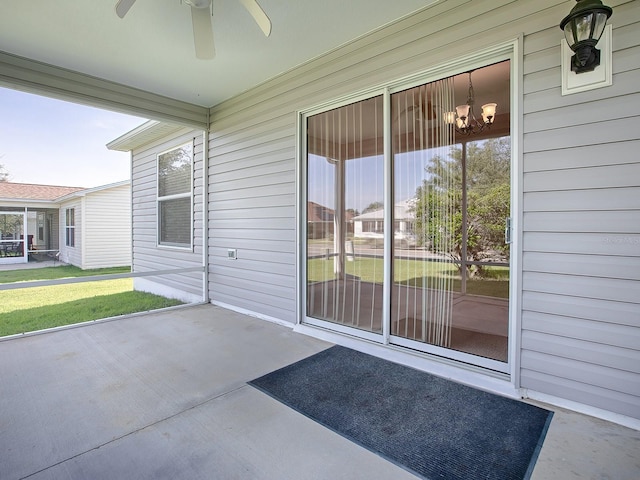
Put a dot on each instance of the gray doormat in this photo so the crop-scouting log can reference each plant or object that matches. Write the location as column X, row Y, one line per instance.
column 432, row 427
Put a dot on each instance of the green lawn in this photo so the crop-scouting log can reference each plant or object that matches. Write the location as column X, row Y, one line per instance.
column 52, row 273
column 28, row 309
column 416, row 273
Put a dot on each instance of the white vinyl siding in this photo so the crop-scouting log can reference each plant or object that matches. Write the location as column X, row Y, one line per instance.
column 102, row 227
column 147, row 255
column 579, row 200
column 581, row 239
column 107, row 228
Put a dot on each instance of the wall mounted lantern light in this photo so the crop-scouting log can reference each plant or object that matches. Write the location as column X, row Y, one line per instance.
column 582, row 29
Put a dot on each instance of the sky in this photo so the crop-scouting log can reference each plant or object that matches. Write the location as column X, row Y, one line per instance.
column 52, row 142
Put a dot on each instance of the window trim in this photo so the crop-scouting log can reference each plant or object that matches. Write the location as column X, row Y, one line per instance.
column 189, row 194
column 70, row 228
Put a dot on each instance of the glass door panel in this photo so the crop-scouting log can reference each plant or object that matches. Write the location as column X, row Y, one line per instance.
column 443, row 261
column 452, row 196
column 345, row 213
column 424, row 211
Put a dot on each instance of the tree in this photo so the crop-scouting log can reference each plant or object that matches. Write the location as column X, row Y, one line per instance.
column 439, row 201
column 373, row 206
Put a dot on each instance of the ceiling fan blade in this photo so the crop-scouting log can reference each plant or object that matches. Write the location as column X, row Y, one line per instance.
column 123, row 6
column 258, row 15
column 202, row 33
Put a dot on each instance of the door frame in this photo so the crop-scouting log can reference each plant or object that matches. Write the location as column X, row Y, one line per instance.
column 510, row 50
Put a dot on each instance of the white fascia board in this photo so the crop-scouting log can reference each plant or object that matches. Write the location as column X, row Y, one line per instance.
column 142, row 135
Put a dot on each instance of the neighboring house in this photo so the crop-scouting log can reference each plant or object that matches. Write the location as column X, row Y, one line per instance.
column 566, row 331
column 370, row 224
column 85, row 227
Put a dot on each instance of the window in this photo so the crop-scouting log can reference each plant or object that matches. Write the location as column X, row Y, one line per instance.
column 70, row 227
column 175, row 197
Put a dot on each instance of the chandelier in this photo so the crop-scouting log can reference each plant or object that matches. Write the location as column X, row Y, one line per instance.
column 464, row 119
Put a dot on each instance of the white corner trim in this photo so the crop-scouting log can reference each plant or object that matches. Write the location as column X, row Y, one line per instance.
column 602, row 76
column 578, row 407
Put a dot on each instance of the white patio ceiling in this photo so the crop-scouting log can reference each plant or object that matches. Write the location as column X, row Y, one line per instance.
column 145, row 63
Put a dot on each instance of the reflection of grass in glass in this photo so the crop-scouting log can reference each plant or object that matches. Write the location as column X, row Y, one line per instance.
column 416, row 273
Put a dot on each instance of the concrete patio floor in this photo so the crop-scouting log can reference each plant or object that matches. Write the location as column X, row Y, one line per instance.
column 164, row 396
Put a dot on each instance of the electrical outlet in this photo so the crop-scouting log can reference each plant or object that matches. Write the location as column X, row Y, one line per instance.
column 232, row 254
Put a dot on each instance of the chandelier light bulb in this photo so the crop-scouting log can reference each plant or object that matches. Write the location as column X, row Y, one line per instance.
column 489, row 112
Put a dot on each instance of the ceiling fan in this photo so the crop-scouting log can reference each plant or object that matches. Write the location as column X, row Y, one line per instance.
column 201, row 21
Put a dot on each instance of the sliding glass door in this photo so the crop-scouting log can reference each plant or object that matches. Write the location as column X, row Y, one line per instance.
column 408, row 217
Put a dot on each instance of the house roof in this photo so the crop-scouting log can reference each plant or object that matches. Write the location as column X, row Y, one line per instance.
column 30, row 191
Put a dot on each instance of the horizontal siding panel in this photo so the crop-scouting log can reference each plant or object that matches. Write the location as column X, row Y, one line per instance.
column 543, row 59
column 609, row 176
column 603, row 398
column 582, row 372
column 256, row 235
column 542, row 80
column 273, row 201
column 277, row 169
column 250, row 181
column 276, row 246
column 590, row 287
column 609, row 109
column 253, row 194
column 163, row 259
column 271, row 156
column 582, row 200
column 593, row 133
column 585, row 243
column 624, row 359
column 624, row 83
column 581, row 157
column 247, row 214
column 178, row 282
column 219, row 256
column 257, row 304
column 232, row 135
column 254, row 292
column 625, row 221
column 605, row 311
column 275, row 223
column 606, row 334
column 272, row 274
column 625, row 268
